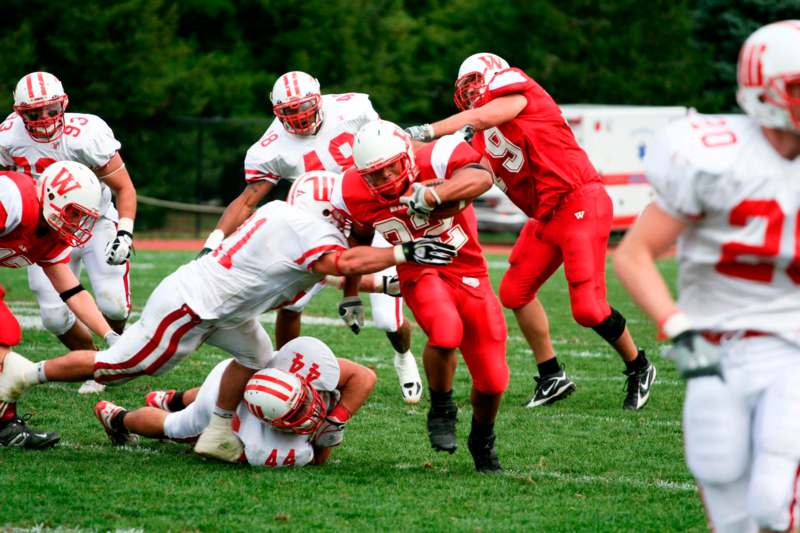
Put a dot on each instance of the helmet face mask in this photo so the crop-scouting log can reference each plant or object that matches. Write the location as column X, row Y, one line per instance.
column 297, row 103
column 384, row 158
column 473, row 79
column 768, row 75
column 40, row 101
column 285, row 401
column 70, row 197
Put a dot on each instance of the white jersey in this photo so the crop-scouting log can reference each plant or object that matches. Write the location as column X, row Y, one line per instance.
column 86, row 139
column 279, row 154
column 265, row 264
column 739, row 266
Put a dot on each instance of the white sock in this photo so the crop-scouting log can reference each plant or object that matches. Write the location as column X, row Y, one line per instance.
column 35, row 375
column 223, row 413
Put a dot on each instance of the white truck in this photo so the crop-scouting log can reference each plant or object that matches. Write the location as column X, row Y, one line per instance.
column 615, row 137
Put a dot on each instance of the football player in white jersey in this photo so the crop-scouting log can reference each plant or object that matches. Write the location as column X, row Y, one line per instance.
column 312, row 131
column 40, row 132
column 305, row 397
column 728, row 188
column 270, row 261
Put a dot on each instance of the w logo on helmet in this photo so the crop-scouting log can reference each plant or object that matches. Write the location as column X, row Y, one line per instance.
column 492, row 62
column 63, row 182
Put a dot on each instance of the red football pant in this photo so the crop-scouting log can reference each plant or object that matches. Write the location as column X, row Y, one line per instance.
column 577, row 235
column 455, row 315
column 10, row 332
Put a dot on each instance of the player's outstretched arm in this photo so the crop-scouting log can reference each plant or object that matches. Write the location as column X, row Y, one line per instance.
column 115, row 175
column 634, row 261
column 368, row 259
column 236, row 213
column 494, row 113
column 79, row 300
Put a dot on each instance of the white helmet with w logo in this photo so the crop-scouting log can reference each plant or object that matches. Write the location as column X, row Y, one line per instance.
column 41, row 101
column 474, row 76
column 284, row 401
column 312, row 192
column 70, row 196
column 769, row 75
column 297, row 102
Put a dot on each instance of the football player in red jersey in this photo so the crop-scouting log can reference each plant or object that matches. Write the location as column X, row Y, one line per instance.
column 541, row 168
column 39, row 225
column 453, row 304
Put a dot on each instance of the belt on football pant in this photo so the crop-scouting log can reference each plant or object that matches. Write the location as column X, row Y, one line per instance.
column 716, row 337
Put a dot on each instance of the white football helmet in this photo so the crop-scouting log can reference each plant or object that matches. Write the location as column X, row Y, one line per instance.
column 70, row 196
column 383, row 155
column 312, row 191
column 284, row 401
column 41, row 102
column 474, row 76
column 768, row 71
column 297, row 102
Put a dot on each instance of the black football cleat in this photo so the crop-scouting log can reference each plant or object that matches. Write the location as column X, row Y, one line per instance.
column 15, row 433
column 484, row 454
column 442, row 428
column 550, row 389
column 638, row 385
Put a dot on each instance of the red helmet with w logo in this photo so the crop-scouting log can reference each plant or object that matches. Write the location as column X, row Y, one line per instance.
column 70, row 196
column 474, row 76
column 769, row 75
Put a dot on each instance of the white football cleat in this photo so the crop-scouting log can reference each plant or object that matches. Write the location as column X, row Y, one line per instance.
column 90, row 386
column 160, row 399
column 12, row 376
column 219, row 441
column 408, row 375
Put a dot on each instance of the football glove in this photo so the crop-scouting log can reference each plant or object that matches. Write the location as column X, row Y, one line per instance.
column 329, row 434
column 416, row 200
column 425, row 252
column 694, row 356
column 351, row 309
column 467, row 131
column 119, row 250
column 389, row 284
column 423, row 132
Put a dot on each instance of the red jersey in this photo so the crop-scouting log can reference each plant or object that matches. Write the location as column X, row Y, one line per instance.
column 535, row 157
column 437, row 160
column 22, row 241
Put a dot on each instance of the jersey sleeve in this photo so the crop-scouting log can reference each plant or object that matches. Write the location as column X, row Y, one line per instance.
column 366, row 112
column 441, row 159
column 58, row 254
column 316, row 238
column 261, row 163
column 10, row 205
column 672, row 173
column 95, row 144
column 509, row 81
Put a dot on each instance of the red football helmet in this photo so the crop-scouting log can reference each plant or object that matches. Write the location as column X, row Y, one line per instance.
column 383, row 155
column 297, row 103
column 41, row 102
column 284, row 401
column 473, row 79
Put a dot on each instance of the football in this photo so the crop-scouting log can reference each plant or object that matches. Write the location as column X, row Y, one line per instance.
column 446, row 209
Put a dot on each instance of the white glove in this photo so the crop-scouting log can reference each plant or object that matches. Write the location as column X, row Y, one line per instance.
column 423, row 132
column 351, row 309
column 694, row 356
column 119, row 250
column 417, row 205
column 425, row 251
column 389, row 284
column 329, row 434
column 111, row 338
column 467, row 132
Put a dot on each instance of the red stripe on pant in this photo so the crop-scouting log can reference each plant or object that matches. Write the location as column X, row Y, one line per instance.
column 793, row 505
column 148, row 348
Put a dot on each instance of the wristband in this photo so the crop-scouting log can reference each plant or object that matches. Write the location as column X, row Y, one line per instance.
column 69, row 293
column 675, row 324
column 214, row 239
column 125, row 224
column 340, row 413
column 399, row 254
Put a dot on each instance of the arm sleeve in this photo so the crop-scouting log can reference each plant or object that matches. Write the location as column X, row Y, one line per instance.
column 510, row 81
column 259, row 165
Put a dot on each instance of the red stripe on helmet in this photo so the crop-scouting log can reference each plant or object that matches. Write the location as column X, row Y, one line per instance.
column 272, row 392
column 296, row 83
column 270, row 379
column 29, row 84
column 41, row 83
column 286, row 84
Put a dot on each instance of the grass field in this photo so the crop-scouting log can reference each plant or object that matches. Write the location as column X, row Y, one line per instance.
column 581, row 465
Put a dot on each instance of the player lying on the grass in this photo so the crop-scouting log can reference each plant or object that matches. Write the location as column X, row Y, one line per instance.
column 728, row 188
column 38, row 225
column 312, row 131
column 269, row 262
column 293, row 411
column 40, row 132
column 540, row 166
column 407, row 195
column 383, row 288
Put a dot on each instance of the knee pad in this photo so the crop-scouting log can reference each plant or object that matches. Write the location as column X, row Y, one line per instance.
column 771, row 491
column 611, row 328
column 113, row 305
column 57, row 320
